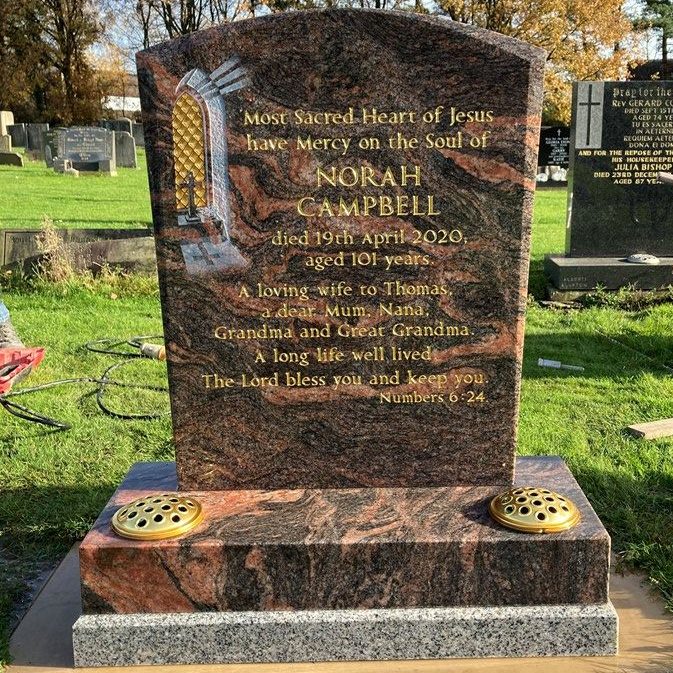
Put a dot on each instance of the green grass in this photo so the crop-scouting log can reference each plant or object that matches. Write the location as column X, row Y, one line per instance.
column 55, row 484
column 91, row 201
column 548, row 235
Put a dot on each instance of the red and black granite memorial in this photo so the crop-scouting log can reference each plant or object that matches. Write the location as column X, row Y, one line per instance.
column 342, row 204
column 620, row 198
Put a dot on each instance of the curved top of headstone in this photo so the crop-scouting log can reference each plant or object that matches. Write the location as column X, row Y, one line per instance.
column 421, row 43
column 304, row 18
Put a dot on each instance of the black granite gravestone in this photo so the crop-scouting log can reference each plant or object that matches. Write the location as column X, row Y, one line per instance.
column 554, row 146
column 18, row 134
column 35, row 139
column 618, row 204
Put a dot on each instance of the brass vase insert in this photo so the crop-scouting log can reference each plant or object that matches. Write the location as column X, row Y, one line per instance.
column 534, row 510
column 157, row 517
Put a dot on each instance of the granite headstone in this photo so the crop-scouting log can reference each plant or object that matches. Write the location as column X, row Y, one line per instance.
column 35, row 139
column 364, row 296
column 138, row 134
column 554, row 146
column 6, row 143
column 50, row 144
column 623, row 137
column 123, row 125
column 6, row 119
column 89, row 148
column 125, row 149
column 619, row 203
column 18, row 134
column 342, row 204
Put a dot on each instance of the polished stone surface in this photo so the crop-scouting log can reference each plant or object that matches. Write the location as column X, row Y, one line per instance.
column 345, row 635
column 348, row 548
column 610, row 273
column 554, row 147
column 314, row 434
column 617, row 204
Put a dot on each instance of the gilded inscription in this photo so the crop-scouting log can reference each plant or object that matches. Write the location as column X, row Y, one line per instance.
column 389, row 323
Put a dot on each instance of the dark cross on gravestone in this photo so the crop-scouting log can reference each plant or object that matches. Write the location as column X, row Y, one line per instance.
column 191, row 185
column 208, row 253
column 589, row 103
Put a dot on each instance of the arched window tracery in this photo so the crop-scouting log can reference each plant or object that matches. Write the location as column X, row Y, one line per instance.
column 190, row 153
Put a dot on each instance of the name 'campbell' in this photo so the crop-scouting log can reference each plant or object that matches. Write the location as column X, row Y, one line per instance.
column 365, row 206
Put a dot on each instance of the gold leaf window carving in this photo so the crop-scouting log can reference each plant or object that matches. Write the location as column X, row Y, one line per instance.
column 189, row 151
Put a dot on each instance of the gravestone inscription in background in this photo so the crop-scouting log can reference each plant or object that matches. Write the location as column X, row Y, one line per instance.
column 622, row 138
column 342, row 204
column 89, row 148
column 554, row 146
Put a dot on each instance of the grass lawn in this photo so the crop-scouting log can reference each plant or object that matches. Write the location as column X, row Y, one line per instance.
column 54, row 484
column 548, row 234
column 33, row 192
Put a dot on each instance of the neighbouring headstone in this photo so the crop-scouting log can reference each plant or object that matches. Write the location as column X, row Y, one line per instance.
column 35, row 140
column 11, row 159
column 618, row 204
column 342, row 204
column 131, row 249
column 6, row 119
column 125, row 149
column 138, row 134
column 6, row 143
column 50, row 144
column 18, row 134
column 554, row 146
column 88, row 148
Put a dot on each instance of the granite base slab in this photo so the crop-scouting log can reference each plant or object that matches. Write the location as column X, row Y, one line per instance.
column 317, row 549
column 345, row 635
column 610, row 273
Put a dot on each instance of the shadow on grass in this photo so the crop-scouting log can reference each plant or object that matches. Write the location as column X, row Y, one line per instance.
column 638, row 513
column 600, row 356
column 537, row 280
column 38, row 526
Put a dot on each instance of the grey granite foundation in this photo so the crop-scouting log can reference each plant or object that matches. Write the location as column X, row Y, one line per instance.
column 344, row 635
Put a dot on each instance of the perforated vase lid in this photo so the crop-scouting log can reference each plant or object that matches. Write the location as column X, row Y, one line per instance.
column 534, row 510
column 157, row 517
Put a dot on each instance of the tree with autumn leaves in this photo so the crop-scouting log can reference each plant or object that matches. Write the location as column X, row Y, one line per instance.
column 48, row 74
column 584, row 39
column 47, row 45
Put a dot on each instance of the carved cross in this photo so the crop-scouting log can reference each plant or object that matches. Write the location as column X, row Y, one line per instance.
column 191, row 185
column 589, row 103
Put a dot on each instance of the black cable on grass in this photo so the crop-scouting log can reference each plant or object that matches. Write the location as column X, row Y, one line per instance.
column 106, row 346
column 110, row 346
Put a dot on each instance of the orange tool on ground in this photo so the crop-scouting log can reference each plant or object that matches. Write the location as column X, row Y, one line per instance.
column 14, row 362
